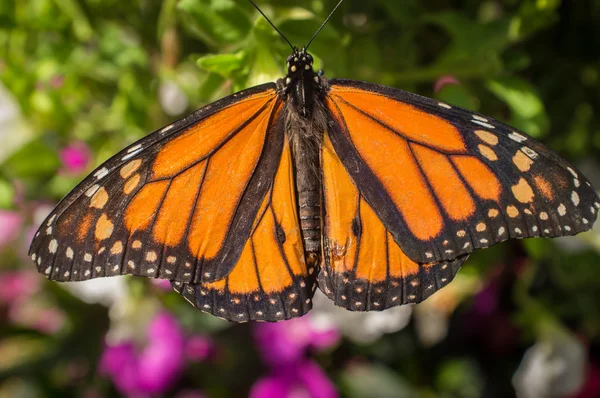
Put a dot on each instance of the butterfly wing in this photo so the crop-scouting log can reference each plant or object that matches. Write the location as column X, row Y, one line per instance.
column 270, row 282
column 363, row 267
column 445, row 181
column 179, row 204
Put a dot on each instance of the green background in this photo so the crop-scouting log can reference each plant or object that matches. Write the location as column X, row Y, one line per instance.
column 95, row 71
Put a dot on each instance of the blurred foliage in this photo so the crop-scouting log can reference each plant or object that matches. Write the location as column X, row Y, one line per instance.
column 99, row 71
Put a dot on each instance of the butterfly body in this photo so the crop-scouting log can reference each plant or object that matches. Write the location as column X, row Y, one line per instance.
column 375, row 195
column 303, row 90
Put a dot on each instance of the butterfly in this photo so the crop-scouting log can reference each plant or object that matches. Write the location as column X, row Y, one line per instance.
column 372, row 194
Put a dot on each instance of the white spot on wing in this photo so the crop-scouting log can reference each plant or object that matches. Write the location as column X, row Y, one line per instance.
column 130, row 155
column 575, row 198
column 572, row 172
column 529, row 152
column 53, row 246
column 134, row 148
column 517, row 137
column 444, row 105
column 51, row 220
column 103, row 172
column 167, row 128
column 489, row 126
column 477, row 117
column 562, row 210
column 92, row 190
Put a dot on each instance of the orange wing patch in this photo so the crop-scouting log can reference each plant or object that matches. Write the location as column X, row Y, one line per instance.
column 201, row 140
column 270, row 281
column 415, row 125
column 364, row 268
column 446, row 182
column 227, row 174
column 389, row 156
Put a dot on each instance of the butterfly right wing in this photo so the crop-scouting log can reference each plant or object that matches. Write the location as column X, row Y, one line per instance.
column 179, row 204
column 363, row 268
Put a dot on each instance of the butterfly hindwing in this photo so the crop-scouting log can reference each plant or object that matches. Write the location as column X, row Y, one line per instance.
column 178, row 204
column 364, row 268
column 445, row 181
column 270, row 281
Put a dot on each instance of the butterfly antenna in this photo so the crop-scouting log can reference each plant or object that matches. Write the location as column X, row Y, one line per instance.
column 272, row 24
column 324, row 23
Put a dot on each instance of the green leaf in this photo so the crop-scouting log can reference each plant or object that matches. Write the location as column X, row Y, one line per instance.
column 527, row 110
column 459, row 95
column 215, row 21
column 472, row 42
column 460, row 378
column 33, row 160
column 7, row 194
column 374, row 381
column 223, row 64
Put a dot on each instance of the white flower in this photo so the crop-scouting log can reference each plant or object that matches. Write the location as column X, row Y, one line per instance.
column 172, row 98
column 362, row 327
column 553, row 367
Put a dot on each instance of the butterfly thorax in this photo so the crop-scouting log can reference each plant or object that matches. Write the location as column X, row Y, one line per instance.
column 302, row 90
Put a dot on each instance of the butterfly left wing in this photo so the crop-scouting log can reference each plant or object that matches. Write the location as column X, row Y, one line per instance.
column 445, row 181
column 363, row 268
column 178, row 204
column 270, row 281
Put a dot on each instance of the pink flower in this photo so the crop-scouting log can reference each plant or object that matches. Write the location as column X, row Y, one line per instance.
column 155, row 368
column 302, row 379
column 11, row 224
column 199, row 348
column 75, row 157
column 36, row 314
column 288, row 341
column 443, row 81
column 284, row 346
column 17, row 285
column 162, row 284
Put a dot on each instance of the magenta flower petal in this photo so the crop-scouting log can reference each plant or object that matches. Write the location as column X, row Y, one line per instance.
column 75, row 157
column 270, row 387
column 288, row 341
column 17, row 285
column 316, row 382
column 11, row 224
column 162, row 284
column 156, row 367
column 199, row 348
column 302, row 379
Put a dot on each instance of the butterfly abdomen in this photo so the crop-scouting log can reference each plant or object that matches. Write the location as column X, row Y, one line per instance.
column 308, row 187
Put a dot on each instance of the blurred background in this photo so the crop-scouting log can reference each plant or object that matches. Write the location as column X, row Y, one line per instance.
column 80, row 79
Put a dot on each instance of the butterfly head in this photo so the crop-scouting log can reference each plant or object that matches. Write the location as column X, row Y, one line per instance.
column 299, row 62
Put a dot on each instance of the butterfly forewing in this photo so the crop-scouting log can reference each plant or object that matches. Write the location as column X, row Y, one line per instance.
column 152, row 209
column 445, row 181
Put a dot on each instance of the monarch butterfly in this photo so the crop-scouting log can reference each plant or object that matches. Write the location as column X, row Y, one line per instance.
column 373, row 194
